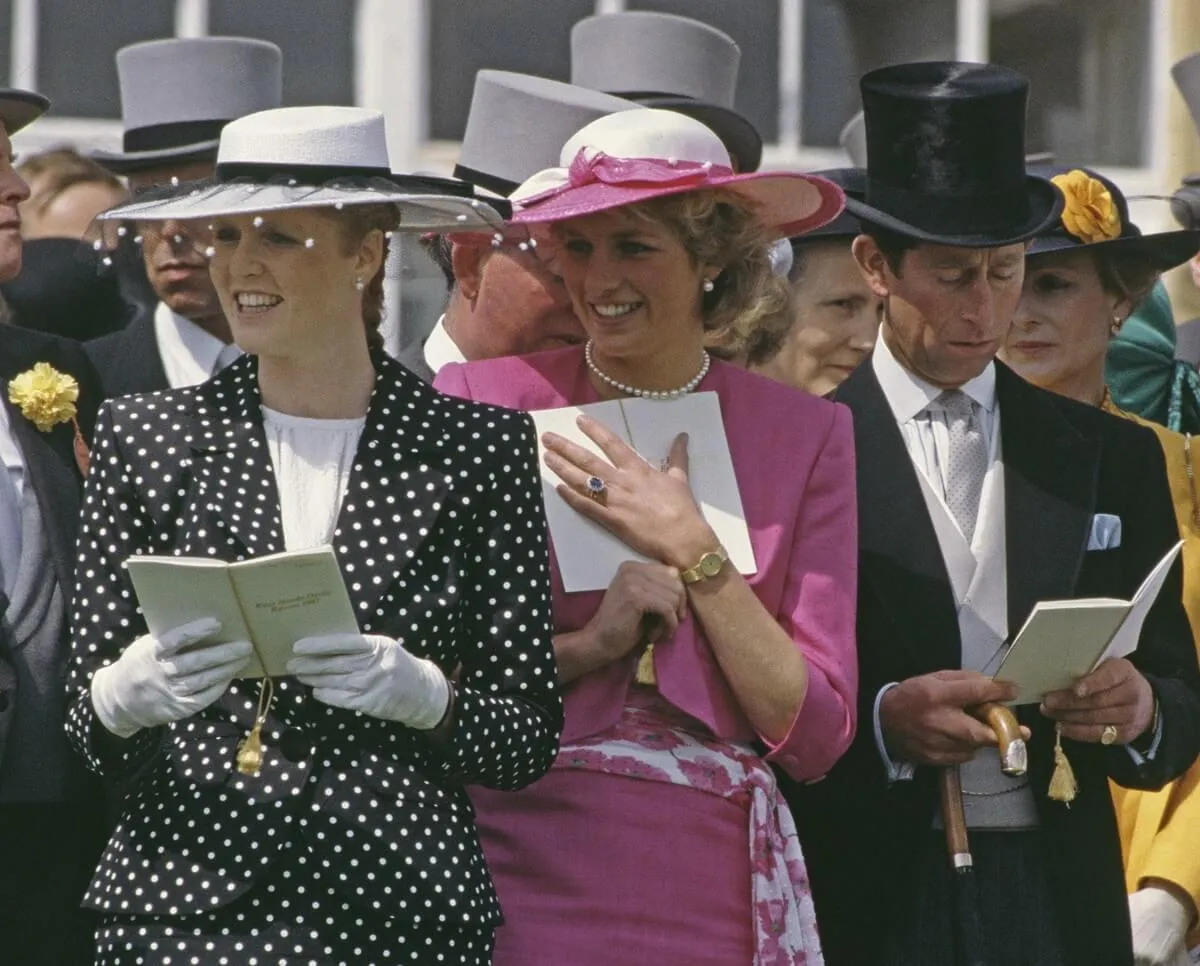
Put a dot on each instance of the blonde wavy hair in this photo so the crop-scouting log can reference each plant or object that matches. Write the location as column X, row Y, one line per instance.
column 749, row 310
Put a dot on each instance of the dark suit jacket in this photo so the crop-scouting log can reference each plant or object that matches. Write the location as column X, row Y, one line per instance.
column 442, row 541
column 50, row 464
column 128, row 361
column 1065, row 462
column 63, row 839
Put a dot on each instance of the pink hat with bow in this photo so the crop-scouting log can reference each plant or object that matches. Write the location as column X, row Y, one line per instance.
column 633, row 156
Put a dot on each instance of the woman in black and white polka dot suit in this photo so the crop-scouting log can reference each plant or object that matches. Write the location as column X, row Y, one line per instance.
column 355, row 841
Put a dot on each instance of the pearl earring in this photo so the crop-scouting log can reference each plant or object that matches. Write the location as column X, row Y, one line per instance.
column 708, row 285
column 359, row 284
column 1117, row 322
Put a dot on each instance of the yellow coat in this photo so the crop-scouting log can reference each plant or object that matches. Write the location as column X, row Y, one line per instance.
column 1160, row 831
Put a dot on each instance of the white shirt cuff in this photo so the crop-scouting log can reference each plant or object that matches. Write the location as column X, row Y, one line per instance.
column 896, row 771
column 1138, row 758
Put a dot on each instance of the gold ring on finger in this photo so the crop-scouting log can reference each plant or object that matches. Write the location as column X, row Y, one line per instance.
column 1109, row 735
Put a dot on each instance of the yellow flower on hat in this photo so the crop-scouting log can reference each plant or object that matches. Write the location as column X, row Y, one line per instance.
column 1089, row 213
column 45, row 396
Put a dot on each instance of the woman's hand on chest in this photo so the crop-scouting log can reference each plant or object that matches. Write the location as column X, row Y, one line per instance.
column 651, row 510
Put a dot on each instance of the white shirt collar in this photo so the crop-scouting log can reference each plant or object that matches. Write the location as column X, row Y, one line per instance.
column 189, row 354
column 909, row 394
column 440, row 349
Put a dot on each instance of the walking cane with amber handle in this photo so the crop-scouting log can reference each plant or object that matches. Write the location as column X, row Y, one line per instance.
column 1014, row 758
column 968, row 927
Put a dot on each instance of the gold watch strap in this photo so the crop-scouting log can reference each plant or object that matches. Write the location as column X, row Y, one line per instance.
column 707, row 566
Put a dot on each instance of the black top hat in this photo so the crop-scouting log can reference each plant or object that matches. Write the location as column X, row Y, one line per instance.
column 18, row 108
column 946, row 156
column 669, row 62
column 853, row 182
column 1096, row 216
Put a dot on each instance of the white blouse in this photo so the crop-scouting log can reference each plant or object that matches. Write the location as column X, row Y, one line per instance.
column 312, row 460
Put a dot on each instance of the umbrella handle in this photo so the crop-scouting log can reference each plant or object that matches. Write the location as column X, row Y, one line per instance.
column 954, row 819
column 1014, row 759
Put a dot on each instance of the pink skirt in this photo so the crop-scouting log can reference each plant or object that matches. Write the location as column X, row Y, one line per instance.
column 652, row 842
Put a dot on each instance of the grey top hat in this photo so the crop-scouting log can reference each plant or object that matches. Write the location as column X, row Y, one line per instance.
column 177, row 95
column 518, row 124
column 853, row 140
column 671, row 62
column 18, row 108
column 1186, row 74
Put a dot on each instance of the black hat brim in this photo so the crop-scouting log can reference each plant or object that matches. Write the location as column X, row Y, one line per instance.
column 132, row 161
column 1044, row 206
column 740, row 137
column 20, row 108
column 1166, row 250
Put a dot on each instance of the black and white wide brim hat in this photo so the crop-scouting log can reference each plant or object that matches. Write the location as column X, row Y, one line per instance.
column 313, row 157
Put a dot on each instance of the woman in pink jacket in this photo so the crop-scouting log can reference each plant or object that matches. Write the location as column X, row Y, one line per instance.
column 659, row 836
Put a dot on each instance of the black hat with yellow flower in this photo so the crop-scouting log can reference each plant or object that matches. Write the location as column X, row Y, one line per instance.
column 1096, row 215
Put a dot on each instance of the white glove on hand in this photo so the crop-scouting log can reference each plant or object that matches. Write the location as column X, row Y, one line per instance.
column 153, row 684
column 1160, row 924
column 374, row 675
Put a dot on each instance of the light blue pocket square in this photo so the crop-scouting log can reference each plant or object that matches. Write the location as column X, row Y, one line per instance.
column 1106, row 532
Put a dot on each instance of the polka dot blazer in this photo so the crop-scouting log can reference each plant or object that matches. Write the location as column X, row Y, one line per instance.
column 443, row 545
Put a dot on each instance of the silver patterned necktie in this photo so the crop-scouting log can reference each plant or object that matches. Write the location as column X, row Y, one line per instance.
column 967, row 464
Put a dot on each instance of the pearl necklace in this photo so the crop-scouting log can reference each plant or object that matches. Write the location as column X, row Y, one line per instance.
column 660, row 394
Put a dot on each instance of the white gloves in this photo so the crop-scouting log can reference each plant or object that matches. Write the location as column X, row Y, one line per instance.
column 374, row 675
column 152, row 683
column 1160, row 924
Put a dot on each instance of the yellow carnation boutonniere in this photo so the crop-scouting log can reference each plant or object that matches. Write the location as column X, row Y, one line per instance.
column 47, row 397
column 1089, row 212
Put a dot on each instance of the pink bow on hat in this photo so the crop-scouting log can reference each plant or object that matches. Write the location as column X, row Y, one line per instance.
column 596, row 167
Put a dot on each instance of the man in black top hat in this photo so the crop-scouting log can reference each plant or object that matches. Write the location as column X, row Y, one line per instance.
column 979, row 496
column 52, row 815
column 176, row 96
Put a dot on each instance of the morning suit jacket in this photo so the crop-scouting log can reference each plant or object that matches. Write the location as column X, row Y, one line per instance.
column 50, row 469
column 128, row 361
column 1064, row 462
column 442, row 542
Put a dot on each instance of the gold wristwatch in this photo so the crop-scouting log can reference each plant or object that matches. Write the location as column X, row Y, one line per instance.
column 708, row 566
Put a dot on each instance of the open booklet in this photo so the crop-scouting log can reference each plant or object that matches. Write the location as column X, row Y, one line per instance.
column 1065, row 639
column 273, row 600
column 588, row 555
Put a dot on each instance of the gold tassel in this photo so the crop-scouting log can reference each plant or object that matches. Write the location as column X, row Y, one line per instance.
column 1063, row 785
column 250, row 748
column 645, row 668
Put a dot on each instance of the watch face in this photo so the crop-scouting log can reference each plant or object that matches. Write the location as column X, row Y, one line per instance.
column 710, row 564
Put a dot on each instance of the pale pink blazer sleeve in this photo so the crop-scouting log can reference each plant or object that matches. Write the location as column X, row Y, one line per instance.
column 818, row 608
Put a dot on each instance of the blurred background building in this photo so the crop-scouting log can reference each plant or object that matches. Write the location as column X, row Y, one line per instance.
column 1101, row 89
